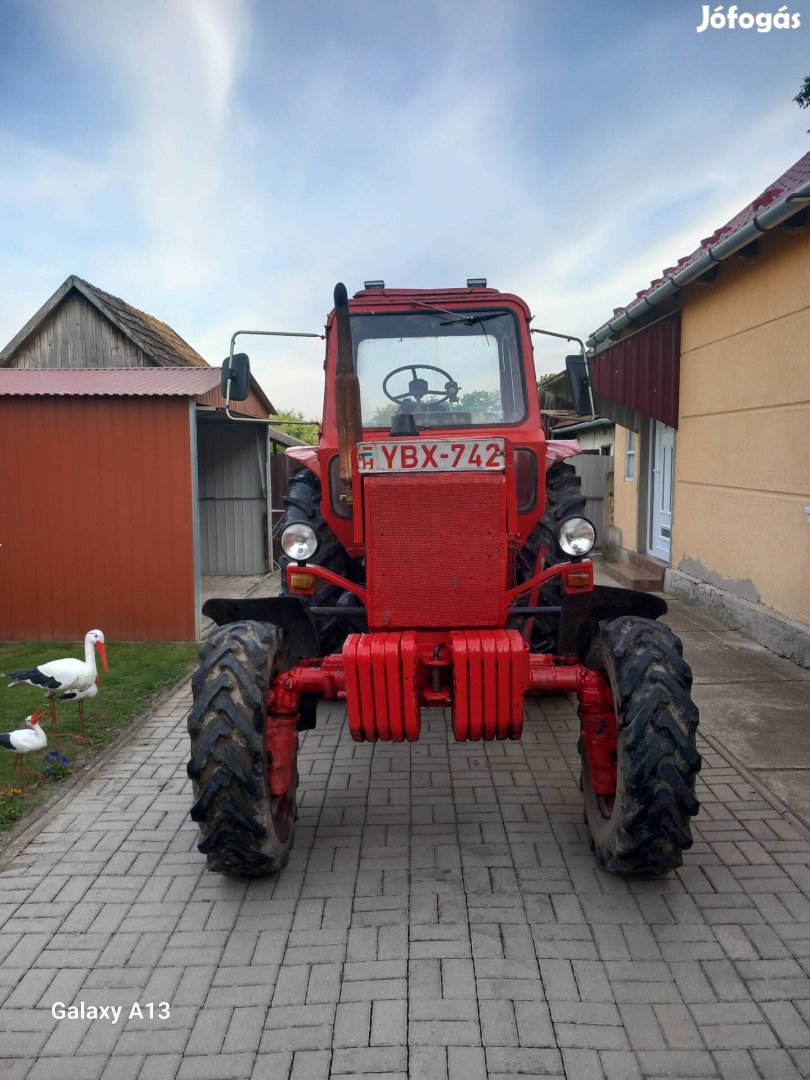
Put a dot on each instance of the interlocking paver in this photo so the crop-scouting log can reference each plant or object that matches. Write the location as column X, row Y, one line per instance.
column 441, row 914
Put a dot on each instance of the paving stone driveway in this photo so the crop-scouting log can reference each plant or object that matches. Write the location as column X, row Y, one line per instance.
column 441, row 918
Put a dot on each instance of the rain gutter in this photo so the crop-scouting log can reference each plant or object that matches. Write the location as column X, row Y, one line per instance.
column 769, row 219
column 586, row 425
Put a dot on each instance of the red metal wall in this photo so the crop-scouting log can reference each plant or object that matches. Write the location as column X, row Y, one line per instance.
column 643, row 370
column 96, row 519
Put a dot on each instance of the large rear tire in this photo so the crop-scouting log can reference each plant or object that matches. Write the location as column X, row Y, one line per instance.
column 244, row 831
column 646, row 825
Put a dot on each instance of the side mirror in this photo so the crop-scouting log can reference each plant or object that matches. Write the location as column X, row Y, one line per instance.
column 579, row 382
column 236, row 371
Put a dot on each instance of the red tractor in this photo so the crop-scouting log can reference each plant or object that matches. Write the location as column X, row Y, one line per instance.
column 436, row 558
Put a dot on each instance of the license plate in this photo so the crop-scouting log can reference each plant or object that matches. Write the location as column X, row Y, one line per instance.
column 431, row 455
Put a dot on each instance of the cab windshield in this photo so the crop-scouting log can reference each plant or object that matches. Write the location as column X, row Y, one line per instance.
column 450, row 369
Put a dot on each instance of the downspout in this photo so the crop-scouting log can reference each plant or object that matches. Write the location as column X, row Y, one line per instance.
column 769, row 219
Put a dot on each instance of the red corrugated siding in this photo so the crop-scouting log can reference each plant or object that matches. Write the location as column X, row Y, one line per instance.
column 643, row 370
column 252, row 406
column 96, row 524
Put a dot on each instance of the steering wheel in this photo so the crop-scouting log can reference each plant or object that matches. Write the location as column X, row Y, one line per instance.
column 418, row 388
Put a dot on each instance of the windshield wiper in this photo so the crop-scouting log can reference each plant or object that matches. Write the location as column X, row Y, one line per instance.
column 456, row 317
column 469, row 320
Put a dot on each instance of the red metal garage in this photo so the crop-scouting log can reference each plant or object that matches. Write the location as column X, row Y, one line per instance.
column 100, row 512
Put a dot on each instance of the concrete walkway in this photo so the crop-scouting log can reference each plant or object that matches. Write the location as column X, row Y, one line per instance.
column 214, row 585
column 441, row 917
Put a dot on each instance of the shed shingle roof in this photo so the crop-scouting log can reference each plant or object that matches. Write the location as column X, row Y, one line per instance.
column 161, row 344
column 155, row 337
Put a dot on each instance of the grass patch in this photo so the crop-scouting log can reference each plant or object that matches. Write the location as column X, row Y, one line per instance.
column 139, row 672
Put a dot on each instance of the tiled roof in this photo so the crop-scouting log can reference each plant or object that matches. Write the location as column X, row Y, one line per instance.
column 797, row 176
column 107, row 382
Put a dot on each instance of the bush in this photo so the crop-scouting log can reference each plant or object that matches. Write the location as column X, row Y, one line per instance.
column 11, row 807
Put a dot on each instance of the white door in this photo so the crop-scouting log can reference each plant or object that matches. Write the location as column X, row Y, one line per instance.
column 662, row 482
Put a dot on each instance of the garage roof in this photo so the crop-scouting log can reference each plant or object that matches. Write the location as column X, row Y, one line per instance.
column 199, row 383
column 107, row 382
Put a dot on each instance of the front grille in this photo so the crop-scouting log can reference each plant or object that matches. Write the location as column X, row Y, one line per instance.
column 436, row 551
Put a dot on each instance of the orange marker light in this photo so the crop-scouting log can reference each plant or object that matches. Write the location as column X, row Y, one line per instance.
column 302, row 582
column 577, row 579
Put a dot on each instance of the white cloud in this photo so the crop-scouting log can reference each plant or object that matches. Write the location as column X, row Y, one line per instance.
column 216, row 210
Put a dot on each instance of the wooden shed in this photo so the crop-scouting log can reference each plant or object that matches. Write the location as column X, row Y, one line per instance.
column 123, row 481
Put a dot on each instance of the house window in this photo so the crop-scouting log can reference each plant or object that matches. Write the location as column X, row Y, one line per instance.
column 630, row 457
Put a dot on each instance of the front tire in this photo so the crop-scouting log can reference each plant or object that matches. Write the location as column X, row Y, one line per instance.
column 646, row 825
column 244, row 831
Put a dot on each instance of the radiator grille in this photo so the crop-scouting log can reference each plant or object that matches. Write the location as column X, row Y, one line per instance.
column 436, row 550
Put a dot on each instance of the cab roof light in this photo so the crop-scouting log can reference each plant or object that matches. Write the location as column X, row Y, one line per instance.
column 476, row 282
column 378, row 284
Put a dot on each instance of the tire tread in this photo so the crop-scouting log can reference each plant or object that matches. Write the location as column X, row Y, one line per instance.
column 227, row 764
column 657, row 723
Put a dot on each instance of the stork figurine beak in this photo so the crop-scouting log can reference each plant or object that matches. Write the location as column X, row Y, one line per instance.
column 36, row 715
column 102, row 651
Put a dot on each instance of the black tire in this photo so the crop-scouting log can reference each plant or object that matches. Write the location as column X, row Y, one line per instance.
column 563, row 500
column 646, row 827
column 303, row 504
column 244, row 831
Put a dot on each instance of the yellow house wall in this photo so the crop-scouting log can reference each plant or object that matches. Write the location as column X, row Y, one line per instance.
column 742, row 459
column 625, row 492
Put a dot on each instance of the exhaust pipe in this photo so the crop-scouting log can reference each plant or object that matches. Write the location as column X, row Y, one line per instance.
column 347, row 389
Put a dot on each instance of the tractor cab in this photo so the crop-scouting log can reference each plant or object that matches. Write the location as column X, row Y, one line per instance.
column 447, row 402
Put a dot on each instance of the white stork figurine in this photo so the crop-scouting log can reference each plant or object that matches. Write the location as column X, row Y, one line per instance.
column 23, row 741
column 80, row 695
column 58, row 677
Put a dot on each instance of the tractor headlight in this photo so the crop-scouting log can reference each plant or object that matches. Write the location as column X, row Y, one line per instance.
column 576, row 536
column 299, row 542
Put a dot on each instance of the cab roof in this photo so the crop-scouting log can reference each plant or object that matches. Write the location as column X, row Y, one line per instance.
column 475, row 295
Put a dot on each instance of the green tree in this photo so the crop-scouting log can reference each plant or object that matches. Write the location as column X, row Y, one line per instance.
column 544, row 380
column 381, row 416
column 483, row 406
column 802, row 99
column 292, row 422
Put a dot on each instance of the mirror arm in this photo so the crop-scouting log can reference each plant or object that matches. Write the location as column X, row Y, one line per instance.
column 581, row 343
column 256, row 419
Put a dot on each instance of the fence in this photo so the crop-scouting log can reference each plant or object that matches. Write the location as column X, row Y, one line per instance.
column 593, row 469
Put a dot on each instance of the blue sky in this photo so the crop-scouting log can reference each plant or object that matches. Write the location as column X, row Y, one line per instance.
column 221, row 163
